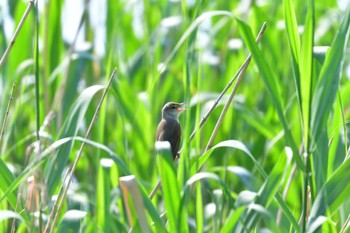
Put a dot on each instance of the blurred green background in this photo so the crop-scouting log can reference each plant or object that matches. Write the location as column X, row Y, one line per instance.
column 182, row 51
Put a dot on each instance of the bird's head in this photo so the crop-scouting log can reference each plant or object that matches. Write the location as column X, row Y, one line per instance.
column 173, row 110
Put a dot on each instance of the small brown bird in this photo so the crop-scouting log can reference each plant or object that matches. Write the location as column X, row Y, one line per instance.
column 169, row 128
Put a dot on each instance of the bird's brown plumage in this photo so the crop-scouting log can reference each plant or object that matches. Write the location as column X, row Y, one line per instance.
column 170, row 130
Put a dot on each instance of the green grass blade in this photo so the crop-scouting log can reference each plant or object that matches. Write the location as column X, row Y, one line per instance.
column 306, row 68
column 103, row 197
column 234, row 144
column 134, row 204
column 271, row 83
column 199, row 209
column 6, row 214
column 267, row 191
column 245, row 176
column 233, row 220
column 292, row 29
column 158, row 222
column 56, row 166
column 328, row 81
column 56, row 146
column 6, row 178
column 294, row 43
column 334, row 193
column 208, row 176
column 72, row 220
column 170, row 186
column 240, row 146
column 266, row 215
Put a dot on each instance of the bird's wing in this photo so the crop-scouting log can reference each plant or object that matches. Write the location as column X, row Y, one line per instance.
column 160, row 130
column 170, row 130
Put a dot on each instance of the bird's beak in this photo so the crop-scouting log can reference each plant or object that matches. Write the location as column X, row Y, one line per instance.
column 182, row 108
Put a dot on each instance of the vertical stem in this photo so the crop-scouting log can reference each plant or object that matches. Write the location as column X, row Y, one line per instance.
column 306, row 191
column 13, row 39
column 46, row 64
column 246, row 63
column 234, row 90
column 36, row 68
column 7, row 113
column 37, row 103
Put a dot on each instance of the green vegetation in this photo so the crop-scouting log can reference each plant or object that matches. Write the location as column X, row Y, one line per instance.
column 77, row 145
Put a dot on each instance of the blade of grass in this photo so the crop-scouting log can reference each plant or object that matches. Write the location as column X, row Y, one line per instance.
column 306, row 68
column 199, row 209
column 171, row 191
column 134, row 204
column 267, row 191
column 233, row 220
column 208, row 176
column 65, row 185
column 240, row 146
column 271, row 83
column 56, row 166
column 328, row 81
column 6, row 179
column 242, row 67
column 292, row 29
column 103, row 199
column 72, row 221
column 30, row 168
column 18, row 29
column 337, row 129
column 37, row 78
column 234, row 144
column 4, row 123
column 234, row 90
column 294, row 42
column 334, row 193
column 153, row 212
column 5, row 214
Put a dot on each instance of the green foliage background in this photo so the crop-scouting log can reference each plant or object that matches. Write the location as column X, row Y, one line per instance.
column 280, row 160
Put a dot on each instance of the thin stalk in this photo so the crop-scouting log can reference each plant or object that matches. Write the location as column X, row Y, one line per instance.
column 13, row 225
column 346, row 225
column 67, row 181
column 224, row 111
column 306, row 193
column 36, row 68
column 18, row 29
column 4, row 123
column 46, row 64
column 154, row 190
column 37, row 103
column 54, row 208
column 345, row 132
column 246, row 62
column 234, row 90
column 285, row 192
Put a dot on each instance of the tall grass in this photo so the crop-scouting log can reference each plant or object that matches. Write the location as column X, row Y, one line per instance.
column 272, row 155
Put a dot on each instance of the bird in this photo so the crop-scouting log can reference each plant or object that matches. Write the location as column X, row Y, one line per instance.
column 169, row 128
